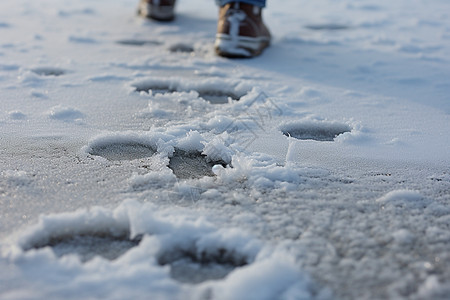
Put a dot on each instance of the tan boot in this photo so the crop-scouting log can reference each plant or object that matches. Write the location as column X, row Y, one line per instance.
column 241, row 31
column 160, row 10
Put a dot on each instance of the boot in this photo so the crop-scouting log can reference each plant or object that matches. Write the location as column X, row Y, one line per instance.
column 241, row 31
column 160, row 10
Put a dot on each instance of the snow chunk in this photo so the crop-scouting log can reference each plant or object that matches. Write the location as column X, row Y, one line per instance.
column 273, row 277
column 404, row 198
column 17, row 178
column 220, row 123
column 66, row 114
column 192, row 142
column 218, row 150
column 30, row 78
column 259, row 172
column 403, row 237
column 152, row 179
column 38, row 94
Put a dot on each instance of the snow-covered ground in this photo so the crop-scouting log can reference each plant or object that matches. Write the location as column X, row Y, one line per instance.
column 136, row 164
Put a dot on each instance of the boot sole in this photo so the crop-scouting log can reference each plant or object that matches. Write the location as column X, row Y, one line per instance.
column 240, row 47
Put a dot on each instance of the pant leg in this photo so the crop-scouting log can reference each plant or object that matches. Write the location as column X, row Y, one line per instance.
column 260, row 3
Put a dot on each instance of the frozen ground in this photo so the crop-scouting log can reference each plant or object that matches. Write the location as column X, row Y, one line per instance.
column 135, row 164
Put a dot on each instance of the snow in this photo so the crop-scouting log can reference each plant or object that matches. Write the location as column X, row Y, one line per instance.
column 170, row 238
column 402, row 198
column 135, row 162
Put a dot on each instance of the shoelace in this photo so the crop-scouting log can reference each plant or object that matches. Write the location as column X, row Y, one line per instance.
column 235, row 17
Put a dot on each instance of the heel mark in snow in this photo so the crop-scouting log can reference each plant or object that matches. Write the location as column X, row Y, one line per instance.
column 89, row 245
column 49, row 71
column 117, row 151
column 192, row 165
column 189, row 266
column 318, row 131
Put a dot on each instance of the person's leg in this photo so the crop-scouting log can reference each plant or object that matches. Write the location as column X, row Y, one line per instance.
column 160, row 10
column 241, row 31
column 260, row 3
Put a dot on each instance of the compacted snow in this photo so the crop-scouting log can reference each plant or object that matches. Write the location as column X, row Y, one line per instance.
column 136, row 164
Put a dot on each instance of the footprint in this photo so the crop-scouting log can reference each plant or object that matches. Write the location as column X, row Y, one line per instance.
column 138, row 43
column 330, row 26
column 75, row 12
column 318, row 131
column 188, row 266
column 156, row 88
column 81, row 39
column 180, row 47
column 49, row 71
column 17, row 115
column 117, row 151
column 218, row 97
column 212, row 94
column 186, row 165
column 191, row 248
column 89, row 245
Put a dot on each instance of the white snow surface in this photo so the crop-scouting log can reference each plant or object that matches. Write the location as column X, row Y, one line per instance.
column 136, row 164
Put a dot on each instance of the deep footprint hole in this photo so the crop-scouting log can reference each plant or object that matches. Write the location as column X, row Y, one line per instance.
column 49, row 71
column 192, row 165
column 315, row 131
column 122, row 151
column 89, row 245
column 190, row 267
column 214, row 96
